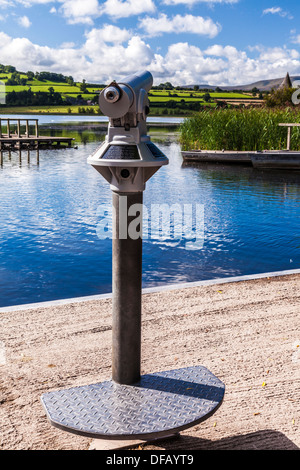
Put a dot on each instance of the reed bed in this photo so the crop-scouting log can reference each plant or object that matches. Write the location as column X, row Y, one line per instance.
column 244, row 129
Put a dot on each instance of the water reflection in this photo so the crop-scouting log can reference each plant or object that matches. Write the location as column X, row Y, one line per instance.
column 19, row 157
column 48, row 241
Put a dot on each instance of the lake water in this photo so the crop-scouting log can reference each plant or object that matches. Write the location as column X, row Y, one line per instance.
column 48, row 222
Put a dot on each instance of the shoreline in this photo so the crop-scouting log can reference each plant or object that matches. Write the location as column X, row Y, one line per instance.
column 148, row 290
column 246, row 332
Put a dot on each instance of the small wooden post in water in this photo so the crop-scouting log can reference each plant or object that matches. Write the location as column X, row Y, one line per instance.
column 36, row 128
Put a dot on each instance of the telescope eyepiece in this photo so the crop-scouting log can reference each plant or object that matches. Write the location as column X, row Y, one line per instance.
column 112, row 94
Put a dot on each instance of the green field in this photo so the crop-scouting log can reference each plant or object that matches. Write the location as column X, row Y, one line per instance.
column 154, row 95
column 58, row 87
column 43, row 86
column 180, row 102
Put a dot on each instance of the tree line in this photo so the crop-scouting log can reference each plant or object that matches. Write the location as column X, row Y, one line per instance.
column 28, row 98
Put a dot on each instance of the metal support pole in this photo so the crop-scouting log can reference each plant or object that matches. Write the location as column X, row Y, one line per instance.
column 127, row 292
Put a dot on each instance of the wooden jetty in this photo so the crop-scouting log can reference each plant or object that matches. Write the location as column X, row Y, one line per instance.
column 266, row 159
column 276, row 159
column 216, row 156
column 15, row 140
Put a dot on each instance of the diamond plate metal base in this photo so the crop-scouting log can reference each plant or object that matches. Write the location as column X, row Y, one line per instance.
column 157, row 405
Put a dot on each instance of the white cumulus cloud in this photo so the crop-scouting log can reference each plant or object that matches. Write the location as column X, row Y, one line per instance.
column 126, row 8
column 296, row 39
column 278, row 11
column 111, row 34
column 111, row 52
column 192, row 2
column 24, row 21
column 179, row 24
column 78, row 11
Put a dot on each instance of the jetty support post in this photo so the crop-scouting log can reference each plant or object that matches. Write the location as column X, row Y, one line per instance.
column 36, row 128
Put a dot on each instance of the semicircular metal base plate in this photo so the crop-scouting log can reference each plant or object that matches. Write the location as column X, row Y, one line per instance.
column 153, row 407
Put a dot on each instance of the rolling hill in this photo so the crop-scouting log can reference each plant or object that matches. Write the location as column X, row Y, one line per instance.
column 262, row 85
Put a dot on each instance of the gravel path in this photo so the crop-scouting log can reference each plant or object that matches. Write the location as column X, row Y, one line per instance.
column 247, row 333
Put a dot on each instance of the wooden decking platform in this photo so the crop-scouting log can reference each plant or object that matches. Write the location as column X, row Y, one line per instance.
column 276, row 159
column 15, row 140
column 217, row 156
column 33, row 142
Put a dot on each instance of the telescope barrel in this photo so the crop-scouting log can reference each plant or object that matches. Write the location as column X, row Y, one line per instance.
column 117, row 98
column 137, row 81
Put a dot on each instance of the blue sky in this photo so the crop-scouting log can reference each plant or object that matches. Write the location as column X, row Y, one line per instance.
column 220, row 42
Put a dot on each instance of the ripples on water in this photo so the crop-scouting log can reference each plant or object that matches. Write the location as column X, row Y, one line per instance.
column 50, row 250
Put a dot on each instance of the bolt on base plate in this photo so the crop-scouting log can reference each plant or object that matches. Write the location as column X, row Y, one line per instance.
column 157, row 405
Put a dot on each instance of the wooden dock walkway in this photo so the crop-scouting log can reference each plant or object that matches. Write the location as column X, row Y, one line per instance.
column 266, row 159
column 15, row 140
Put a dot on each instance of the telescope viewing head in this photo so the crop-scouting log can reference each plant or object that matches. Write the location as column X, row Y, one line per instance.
column 127, row 100
column 127, row 158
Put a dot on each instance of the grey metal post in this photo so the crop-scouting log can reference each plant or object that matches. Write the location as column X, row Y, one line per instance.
column 127, row 291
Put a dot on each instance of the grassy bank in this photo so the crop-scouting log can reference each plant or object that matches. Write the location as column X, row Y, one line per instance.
column 240, row 129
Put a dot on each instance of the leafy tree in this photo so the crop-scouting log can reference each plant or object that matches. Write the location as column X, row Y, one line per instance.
column 30, row 75
column 206, row 97
column 83, row 86
column 70, row 80
column 279, row 97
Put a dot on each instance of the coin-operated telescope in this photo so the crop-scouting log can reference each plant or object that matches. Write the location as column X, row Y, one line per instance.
column 131, row 405
column 127, row 158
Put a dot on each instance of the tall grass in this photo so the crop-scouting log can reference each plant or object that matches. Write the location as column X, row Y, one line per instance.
column 240, row 129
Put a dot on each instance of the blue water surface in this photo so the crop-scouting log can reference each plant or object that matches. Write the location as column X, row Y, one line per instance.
column 49, row 246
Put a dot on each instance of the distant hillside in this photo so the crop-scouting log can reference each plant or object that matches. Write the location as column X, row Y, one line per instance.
column 262, row 85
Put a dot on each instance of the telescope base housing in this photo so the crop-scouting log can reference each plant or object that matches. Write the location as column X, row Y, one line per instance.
column 158, row 405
